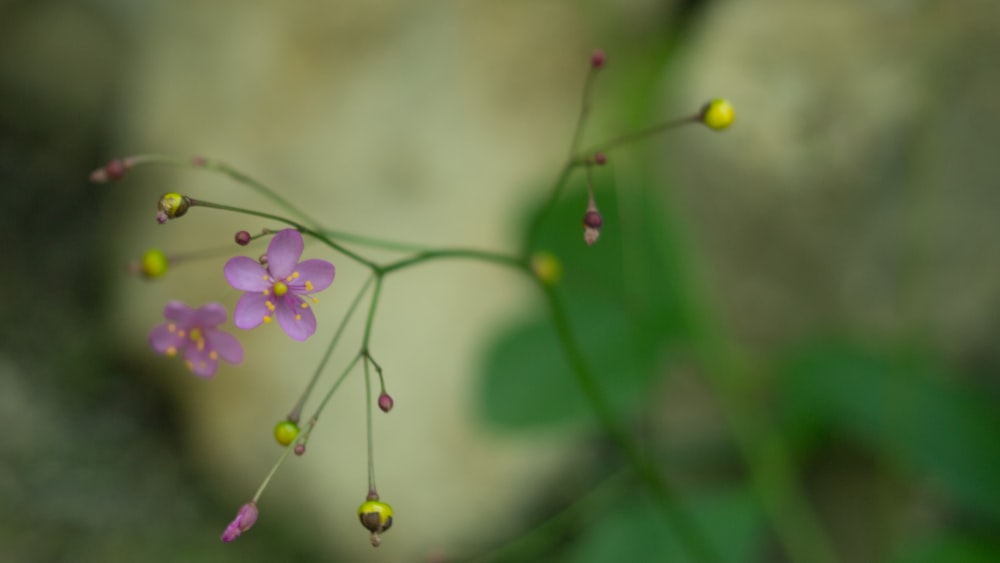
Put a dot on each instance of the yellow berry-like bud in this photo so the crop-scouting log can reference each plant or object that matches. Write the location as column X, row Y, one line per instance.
column 547, row 267
column 718, row 114
column 173, row 205
column 376, row 517
column 154, row 263
column 285, row 432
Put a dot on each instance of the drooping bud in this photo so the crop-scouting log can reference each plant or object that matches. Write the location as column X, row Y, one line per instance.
column 385, row 402
column 285, row 432
column 242, row 238
column 592, row 222
column 546, row 267
column 113, row 170
column 153, row 264
column 376, row 517
column 597, row 58
column 171, row 206
column 718, row 114
column 244, row 520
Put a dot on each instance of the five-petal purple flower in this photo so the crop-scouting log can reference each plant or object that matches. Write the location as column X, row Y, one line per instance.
column 193, row 332
column 277, row 290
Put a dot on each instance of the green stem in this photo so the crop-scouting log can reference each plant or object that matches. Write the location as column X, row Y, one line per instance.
column 539, row 219
column 371, row 441
column 274, row 469
column 301, row 228
column 688, row 530
column 483, row 255
column 371, row 314
column 226, row 170
column 638, row 136
column 374, row 242
column 297, row 410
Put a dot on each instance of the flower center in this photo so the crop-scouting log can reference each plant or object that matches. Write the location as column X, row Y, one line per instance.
column 195, row 334
column 280, row 289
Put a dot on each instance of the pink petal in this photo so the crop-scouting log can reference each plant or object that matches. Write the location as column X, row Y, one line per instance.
column 250, row 310
column 210, row 314
column 179, row 313
column 318, row 272
column 162, row 339
column 283, row 253
column 200, row 361
column 290, row 307
column 246, row 274
column 226, row 345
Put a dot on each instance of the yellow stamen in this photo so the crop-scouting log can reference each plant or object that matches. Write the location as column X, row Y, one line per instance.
column 181, row 333
column 315, row 300
column 171, row 327
column 269, row 305
column 267, row 292
column 304, row 306
column 267, row 319
column 213, row 355
column 298, row 317
column 309, row 285
column 172, row 351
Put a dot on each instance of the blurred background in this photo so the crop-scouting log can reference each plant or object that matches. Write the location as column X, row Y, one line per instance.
column 806, row 304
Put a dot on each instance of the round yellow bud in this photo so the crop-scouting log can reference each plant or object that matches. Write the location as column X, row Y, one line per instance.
column 376, row 517
column 547, row 267
column 718, row 114
column 285, row 432
column 173, row 204
column 154, row 263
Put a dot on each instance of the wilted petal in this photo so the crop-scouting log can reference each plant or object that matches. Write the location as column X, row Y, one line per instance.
column 246, row 274
column 179, row 313
column 284, row 252
column 250, row 310
column 319, row 274
column 162, row 339
column 225, row 344
column 210, row 314
column 297, row 321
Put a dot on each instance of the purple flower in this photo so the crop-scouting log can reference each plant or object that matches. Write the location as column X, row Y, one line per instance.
column 245, row 518
column 275, row 291
column 193, row 332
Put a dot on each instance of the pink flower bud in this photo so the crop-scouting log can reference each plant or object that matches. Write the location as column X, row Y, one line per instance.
column 242, row 238
column 300, row 449
column 244, row 520
column 385, row 402
column 111, row 171
column 597, row 58
column 600, row 159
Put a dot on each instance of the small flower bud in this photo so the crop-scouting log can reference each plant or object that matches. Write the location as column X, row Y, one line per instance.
column 285, row 432
column 244, row 520
column 300, row 449
column 546, row 267
column 376, row 517
column 154, row 264
column 592, row 222
column 171, row 206
column 262, row 259
column 597, row 58
column 718, row 114
column 113, row 170
column 199, row 161
column 600, row 159
column 242, row 238
column 385, row 402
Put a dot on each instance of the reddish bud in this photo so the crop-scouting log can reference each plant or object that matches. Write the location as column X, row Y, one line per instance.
column 198, row 161
column 597, row 58
column 300, row 449
column 600, row 159
column 262, row 259
column 385, row 402
column 242, row 238
column 113, row 170
column 593, row 219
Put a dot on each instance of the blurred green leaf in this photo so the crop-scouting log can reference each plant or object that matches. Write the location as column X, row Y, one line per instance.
column 903, row 405
column 636, row 531
column 621, row 299
column 949, row 550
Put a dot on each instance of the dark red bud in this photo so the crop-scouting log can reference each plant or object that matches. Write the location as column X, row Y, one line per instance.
column 597, row 58
column 593, row 219
column 242, row 238
column 600, row 159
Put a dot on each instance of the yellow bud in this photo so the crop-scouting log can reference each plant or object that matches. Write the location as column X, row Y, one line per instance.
column 718, row 114
column 376, row 517
column 285, row 432
column 173, row 205
column 154, row 264
column 547, row 267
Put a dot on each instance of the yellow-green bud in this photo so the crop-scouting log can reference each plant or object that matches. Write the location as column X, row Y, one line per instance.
column 376, row 517
column 285, row 432
column 718, row 114
column 171, row 206
column 547, row 267
column 154, row 264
